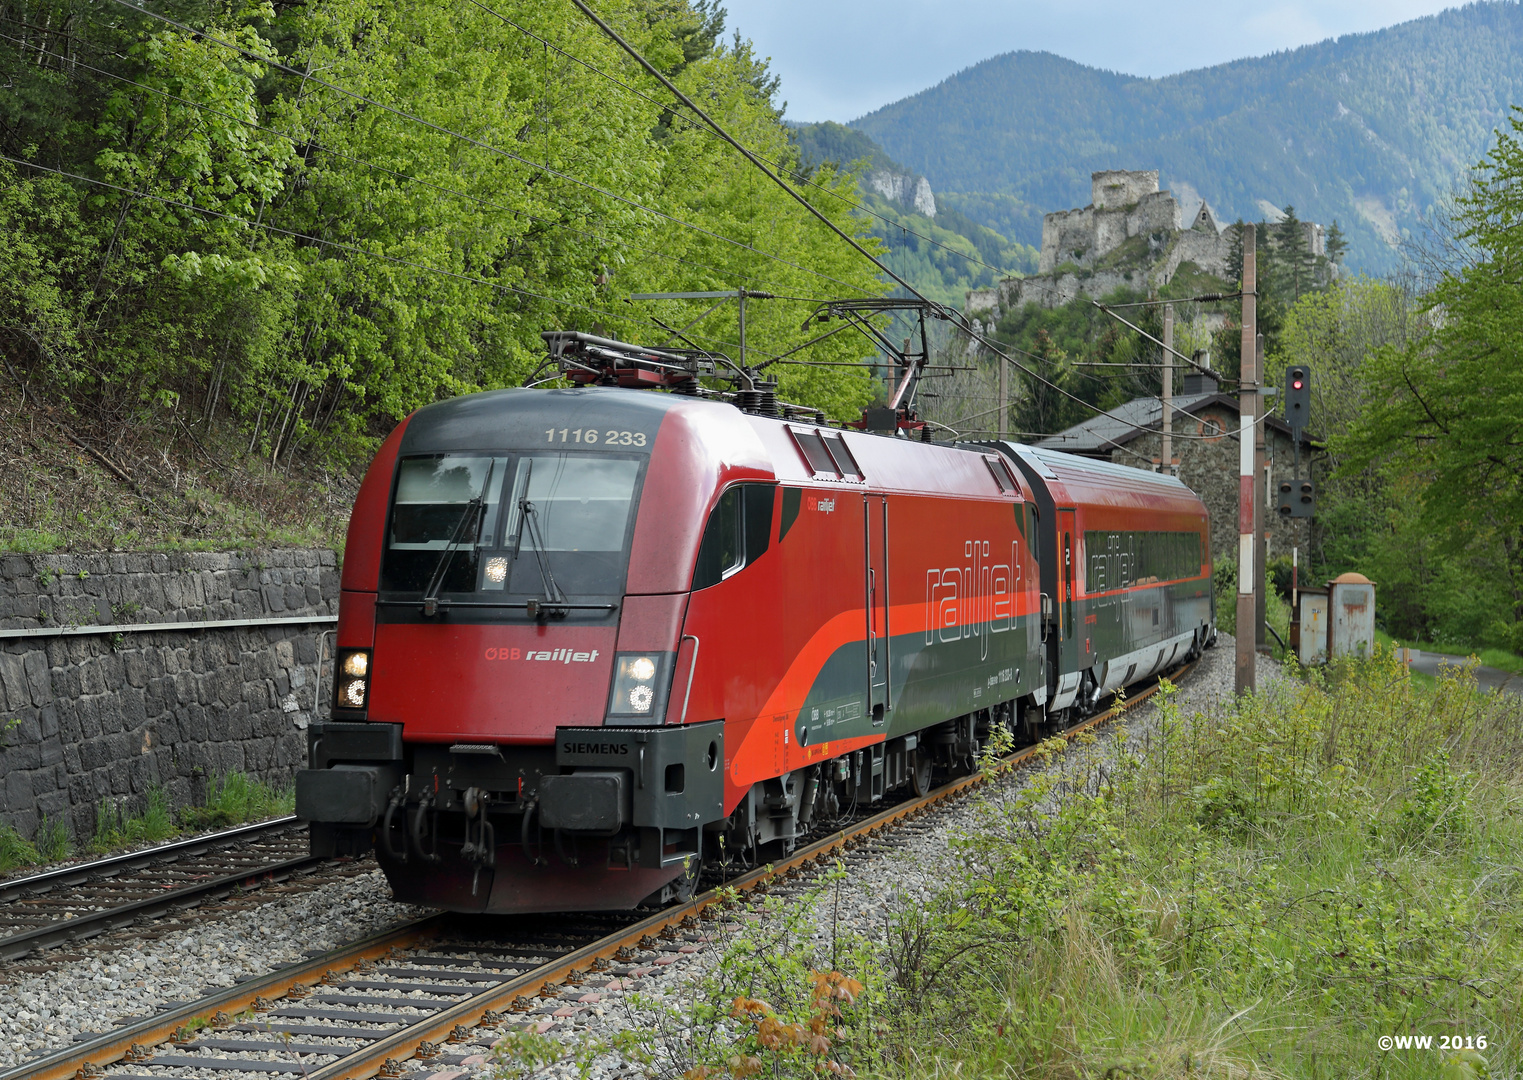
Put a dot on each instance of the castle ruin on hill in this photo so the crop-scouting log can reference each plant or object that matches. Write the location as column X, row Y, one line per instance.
column 1130, row 236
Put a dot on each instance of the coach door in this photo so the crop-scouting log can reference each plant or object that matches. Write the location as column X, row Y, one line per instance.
column 1068, row 555
column 875, row 541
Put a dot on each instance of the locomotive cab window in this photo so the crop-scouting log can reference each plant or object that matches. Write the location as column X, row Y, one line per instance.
column 737, row 533
column 488, row 521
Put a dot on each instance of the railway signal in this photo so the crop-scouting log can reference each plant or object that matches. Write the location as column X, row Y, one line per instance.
column 1298, row 498
column 1297, row 396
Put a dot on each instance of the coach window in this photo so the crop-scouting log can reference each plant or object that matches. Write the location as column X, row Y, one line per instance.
column 738, row 532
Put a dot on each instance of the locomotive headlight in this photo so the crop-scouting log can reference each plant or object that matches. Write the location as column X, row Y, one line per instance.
column 643, row 669
column 640, row 683
column 351, row 693
column 496, row 570
column 352, row 687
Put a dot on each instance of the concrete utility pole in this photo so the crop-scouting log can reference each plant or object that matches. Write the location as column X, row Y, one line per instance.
column 1247, row 505
column 1261, row 505
column 1166, row 458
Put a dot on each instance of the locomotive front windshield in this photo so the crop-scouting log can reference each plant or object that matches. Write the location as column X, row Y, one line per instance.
column 508, row 524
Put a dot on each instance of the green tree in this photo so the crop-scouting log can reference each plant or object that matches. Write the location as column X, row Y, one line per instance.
column 1448, row 406
column 310, row 221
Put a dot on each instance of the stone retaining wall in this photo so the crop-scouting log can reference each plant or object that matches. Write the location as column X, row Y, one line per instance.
column 96, row 718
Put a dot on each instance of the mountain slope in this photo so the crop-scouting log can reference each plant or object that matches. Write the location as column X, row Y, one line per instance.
column 1369, row 129
column 942, row 251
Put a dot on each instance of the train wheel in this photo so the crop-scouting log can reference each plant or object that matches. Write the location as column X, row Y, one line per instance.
column 920, row 774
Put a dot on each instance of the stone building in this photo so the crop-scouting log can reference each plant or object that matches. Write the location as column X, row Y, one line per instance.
column 1205, row 457
column 1131, row 235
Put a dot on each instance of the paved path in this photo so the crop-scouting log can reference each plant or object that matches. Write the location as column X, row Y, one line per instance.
column 1492, row 678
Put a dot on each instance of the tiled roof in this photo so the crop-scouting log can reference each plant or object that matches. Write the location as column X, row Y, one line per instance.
column 1124, row 423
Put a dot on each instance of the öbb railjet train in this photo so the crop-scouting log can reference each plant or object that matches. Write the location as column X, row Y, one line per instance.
column 591, row 638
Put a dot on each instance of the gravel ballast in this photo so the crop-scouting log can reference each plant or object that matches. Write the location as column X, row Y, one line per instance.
column 44, row 1010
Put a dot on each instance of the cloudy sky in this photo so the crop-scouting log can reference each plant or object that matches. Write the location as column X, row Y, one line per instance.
column 841, row 58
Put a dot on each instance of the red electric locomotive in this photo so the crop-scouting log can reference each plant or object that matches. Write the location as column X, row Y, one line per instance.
column 591, row 638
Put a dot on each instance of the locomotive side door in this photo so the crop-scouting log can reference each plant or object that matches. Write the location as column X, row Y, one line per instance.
column 875, row 585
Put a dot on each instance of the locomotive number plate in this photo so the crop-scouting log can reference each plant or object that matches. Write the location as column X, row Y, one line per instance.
column 592, row 436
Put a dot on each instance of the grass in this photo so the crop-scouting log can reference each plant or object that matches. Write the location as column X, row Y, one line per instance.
column 1262, row 893
column 52, row 841
column 115, row 828
column 232, row 800
column 235, row 799
column 15, row 850
column 50, row 845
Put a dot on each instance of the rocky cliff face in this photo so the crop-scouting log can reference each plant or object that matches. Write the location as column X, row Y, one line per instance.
column 909, row 191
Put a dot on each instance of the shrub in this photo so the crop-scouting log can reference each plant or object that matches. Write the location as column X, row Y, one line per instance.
column 15, row 849
column 1263, row 891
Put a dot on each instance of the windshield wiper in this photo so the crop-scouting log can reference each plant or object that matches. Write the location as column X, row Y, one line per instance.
column 436, row 582
column 528, row 516
column 553, row 594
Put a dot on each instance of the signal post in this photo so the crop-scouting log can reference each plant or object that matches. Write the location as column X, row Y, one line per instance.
column 1247, row 505
column 1260, row 506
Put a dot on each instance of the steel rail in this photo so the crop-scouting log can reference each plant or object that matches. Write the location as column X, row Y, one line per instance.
column 113, row 1046
column 94, row 923
column 136, row 860
column 163, row 627
column 369, row 1060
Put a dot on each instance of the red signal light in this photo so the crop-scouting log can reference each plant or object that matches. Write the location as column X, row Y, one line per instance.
column 1298, row 384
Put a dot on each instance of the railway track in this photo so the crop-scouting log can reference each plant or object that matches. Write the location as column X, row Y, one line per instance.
column 437, row 992
column 74, row 903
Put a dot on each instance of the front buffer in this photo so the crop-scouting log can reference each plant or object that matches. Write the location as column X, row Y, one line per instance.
column 605, row 819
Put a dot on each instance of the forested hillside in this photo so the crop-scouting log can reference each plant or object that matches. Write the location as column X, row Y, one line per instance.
column 275, row 230
column 943, row 256
column 1369, row 130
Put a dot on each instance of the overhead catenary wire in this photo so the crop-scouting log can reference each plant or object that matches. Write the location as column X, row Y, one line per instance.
column 952, row 315
column 1203, row 298
column 1099, row 412
column 1189, row 360
column 489, row 148
column 745, row 151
